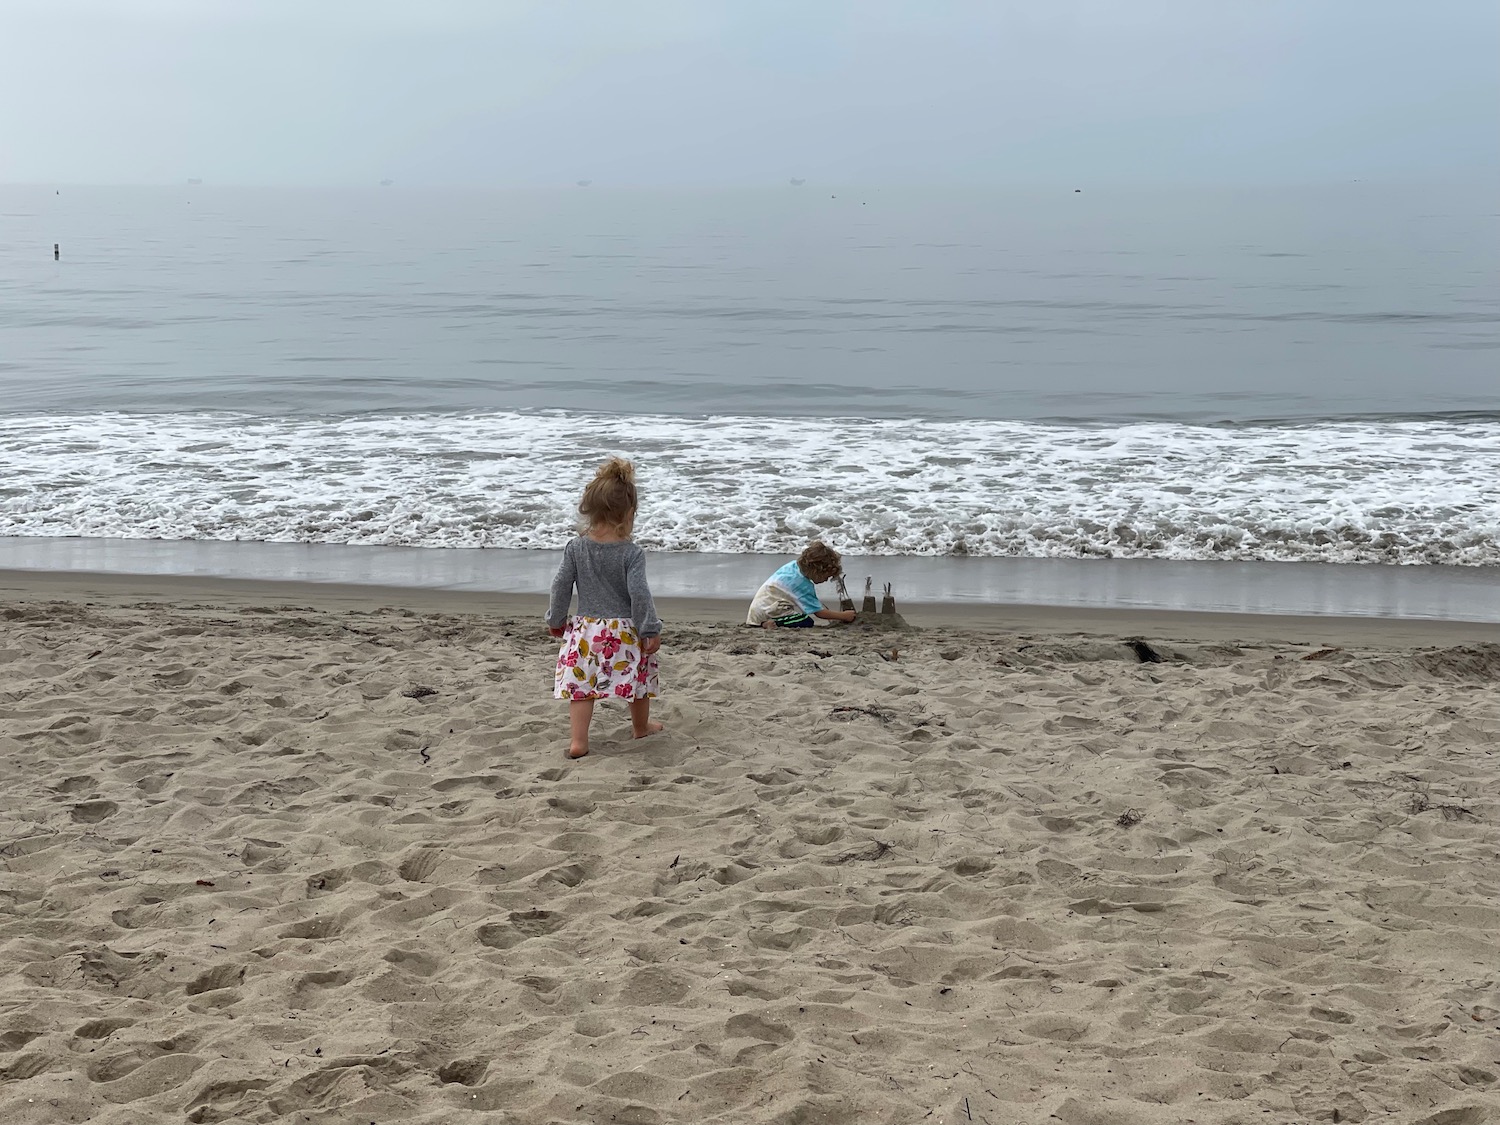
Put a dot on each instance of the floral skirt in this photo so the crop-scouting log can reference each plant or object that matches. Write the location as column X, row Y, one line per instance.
column 601, row 658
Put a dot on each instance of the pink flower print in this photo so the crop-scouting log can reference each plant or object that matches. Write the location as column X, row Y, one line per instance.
column 607, row 644
column 624, row 691
column 569, row 659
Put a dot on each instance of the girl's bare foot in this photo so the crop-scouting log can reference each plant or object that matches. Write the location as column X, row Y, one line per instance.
column 580, row 715
column 641, row 723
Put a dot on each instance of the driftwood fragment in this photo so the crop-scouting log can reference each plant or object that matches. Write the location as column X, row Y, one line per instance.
column 1322, row 654
column 884, row 714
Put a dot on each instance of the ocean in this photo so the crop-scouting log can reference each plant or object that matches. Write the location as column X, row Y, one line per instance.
column 1248, row 375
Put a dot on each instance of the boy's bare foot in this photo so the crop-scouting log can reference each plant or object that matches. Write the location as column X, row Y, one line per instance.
column 653, row 727
column 578, row 751
column 768, row 624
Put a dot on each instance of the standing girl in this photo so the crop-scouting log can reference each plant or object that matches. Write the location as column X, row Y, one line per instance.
column 609, row 646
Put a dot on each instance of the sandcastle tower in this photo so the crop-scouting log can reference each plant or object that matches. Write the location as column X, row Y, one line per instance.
column 845, row 601
column 888, row 603
column 869, row 606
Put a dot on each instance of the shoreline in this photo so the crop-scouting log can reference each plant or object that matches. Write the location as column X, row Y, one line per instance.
column 1286, row 589
column 120, row 590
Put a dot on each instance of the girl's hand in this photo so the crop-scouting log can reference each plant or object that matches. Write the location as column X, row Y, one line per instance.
column 848, row 617
column 556, row 631
column 649, row 645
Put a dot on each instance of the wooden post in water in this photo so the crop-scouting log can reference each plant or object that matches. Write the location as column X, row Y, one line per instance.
column 56, row 252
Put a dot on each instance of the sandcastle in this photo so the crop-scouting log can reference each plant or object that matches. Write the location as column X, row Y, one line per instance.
column 885, row 618
column 845, row 601
column 869, row 616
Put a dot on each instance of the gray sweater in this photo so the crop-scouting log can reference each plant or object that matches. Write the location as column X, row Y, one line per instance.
column 611, row 581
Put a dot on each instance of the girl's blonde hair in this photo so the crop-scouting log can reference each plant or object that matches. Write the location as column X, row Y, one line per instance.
column 609, row 500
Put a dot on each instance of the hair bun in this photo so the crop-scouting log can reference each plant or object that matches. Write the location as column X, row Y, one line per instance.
column 617, row 468
column 610, row 498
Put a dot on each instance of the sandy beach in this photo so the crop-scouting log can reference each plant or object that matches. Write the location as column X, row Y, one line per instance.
column 314, row 854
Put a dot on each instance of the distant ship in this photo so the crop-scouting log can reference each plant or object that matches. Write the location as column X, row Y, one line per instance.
column 386, row 183
column 796, row 182
column 584, row 183
column 195, row 182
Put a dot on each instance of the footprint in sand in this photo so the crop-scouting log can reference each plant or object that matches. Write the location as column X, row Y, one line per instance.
column 518, row 927
column 463, row 1072
column 312, row 929
column 420, row 864
column 97, row 1029
column 220, row 976
column 92, row 812
column 422, row 964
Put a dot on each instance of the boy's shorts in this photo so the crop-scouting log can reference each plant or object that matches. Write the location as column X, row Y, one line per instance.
column 794, row 621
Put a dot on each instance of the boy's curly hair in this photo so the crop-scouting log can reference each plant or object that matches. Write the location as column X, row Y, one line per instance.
column 820, row 562
column 609, row 500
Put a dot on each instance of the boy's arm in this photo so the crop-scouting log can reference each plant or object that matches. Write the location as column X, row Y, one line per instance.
column 844, row 615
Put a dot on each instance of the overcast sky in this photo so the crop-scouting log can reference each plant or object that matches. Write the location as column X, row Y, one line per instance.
column 747, row 91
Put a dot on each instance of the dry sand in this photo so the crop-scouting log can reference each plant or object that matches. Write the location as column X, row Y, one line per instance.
column 1012, row 875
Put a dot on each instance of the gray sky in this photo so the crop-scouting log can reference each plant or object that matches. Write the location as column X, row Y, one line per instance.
column 747, row 91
